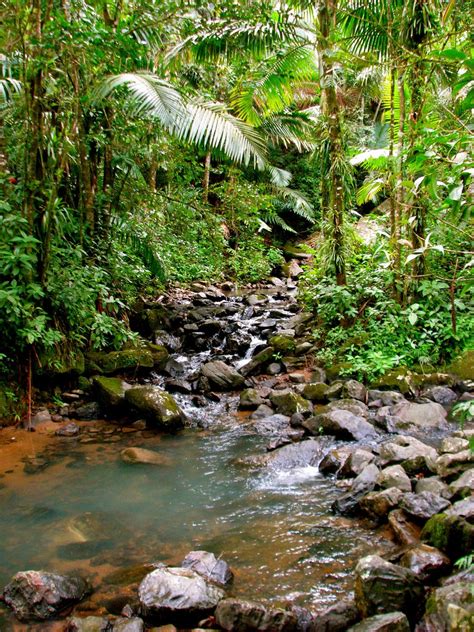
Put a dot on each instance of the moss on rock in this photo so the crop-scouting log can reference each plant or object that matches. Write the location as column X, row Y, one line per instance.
column 118, row 361
column 451, row 534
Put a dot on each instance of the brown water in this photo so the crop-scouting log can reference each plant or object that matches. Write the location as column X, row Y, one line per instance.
column 88, row 511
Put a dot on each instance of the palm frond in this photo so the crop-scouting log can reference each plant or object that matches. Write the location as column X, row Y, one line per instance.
column 140, row 247
column 369, row 191
column 228, row 39
column 300, row 205
column 8, row 88
column 150, row 96
column 289, row 129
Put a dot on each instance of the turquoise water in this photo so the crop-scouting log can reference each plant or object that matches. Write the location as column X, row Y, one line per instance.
column 90, row 512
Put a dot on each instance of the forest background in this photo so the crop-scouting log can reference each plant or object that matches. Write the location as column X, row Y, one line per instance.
column 145, row 143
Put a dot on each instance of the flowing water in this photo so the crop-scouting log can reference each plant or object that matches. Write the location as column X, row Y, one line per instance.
column 88, row 511
column 83, row 509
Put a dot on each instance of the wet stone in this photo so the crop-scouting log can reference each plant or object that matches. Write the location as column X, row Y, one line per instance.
column 392, row 622
column 239, row 615
column 427, row 562
column 210, row 567
column 424, row 505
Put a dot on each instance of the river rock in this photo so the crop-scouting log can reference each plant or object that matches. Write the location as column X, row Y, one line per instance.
column 354, row 406
column 334, row 460
column 133, row 624
column 250, row 398
column 419, row 417
column 238, row 615
column 405, row 531
column 273, row 425
column 41, row 417
column 262, row 411
column 68, row 430
column 356, row 462
column 178, row 595
column 342, row 424
column 453, row 445
column 427, row 562
column 87, row 412
column 222, row 376
column 450, row 608
column 424, row 505
column 282, row 343
column 463, row 509
column 392, row 622
column 348, row 503
column 208, row 566
column 440, row 394
column 41, row 595
column 386, row 398
column 121, row 361
column 140, row 455
column 354, row 390
column 382, row 587
column 334, row 390
column 288, row 403
column 315, row 392
column 377, row 505
column 158, row 406
column 403, row 447
column 451, row 534
column 464, row 485
column 257, row 362
column 448, row 465
column 434, row 485
column 336, row 618
column 110, row 390
column 394, row 476
column 89, row 624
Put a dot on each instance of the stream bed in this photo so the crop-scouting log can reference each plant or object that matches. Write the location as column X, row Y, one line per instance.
column 89, row 511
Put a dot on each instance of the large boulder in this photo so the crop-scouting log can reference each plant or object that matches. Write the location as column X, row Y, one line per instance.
column 178, row 595
column 336, row 618
column 358, row 459
column 288, row 403
column 354, row 406
column 258, row 361
column 238, row 615
column 406, row 532
column 157, row 406
column 392, row 622
column 450, row 609
column 342, row 424
column 434, row 485
column 250, row 398
column 440, row 394
column 40, row 595
column 448, row 465
column 382, row 587
column 424, row 505
column 222, row 376
column 209, row 566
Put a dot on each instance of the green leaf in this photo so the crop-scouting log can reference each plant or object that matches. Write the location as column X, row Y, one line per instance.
column 456, row 193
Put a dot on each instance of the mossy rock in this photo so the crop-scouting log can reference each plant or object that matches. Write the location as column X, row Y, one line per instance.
column 282, row 343
column 288, row 403
column 157, row 406
column 160, row 355
column 121, row 361
column 334, row 370
column 409, row 381
column 110, row 390
column 451, row 534
column 463, row 365
column 63, row 364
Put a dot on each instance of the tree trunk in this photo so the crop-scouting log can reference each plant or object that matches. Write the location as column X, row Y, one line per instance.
column 331, row 111
column 206, row 176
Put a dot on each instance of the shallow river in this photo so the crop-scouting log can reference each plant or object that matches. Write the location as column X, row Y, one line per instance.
column 89, row 511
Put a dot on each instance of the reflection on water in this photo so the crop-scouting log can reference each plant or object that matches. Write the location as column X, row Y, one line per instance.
column 91, row 512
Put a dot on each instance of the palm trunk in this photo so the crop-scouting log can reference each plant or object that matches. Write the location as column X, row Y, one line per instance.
column 331, row 110
column 205, row 179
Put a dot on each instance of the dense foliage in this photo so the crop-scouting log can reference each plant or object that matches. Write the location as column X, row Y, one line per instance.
column 151, row 142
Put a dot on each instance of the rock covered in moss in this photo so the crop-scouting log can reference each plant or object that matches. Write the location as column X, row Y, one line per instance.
column 382, row 587
column 450, row 608
column 110, row 390
column 288, row 403
column 451, row 534
column 157, row 406
column 463, row 365
column 250, row 398
column 283, row 343
column 159, row 354
column 38, row 595
column 315, row 392
column 128, row 360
